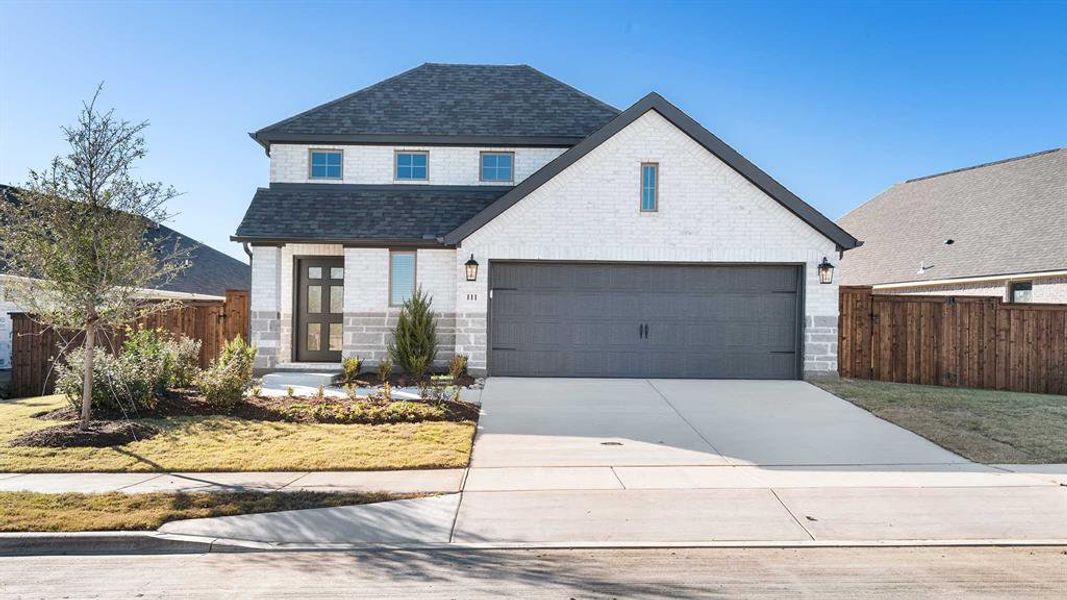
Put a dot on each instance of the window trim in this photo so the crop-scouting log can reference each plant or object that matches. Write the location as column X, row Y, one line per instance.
column 396, row 166
column 1011, row 291
column 414, row 274
column 312, row 151
column 481, row 166
column 641, row 188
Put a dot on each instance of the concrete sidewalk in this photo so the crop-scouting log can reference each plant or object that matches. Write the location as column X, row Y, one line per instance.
column 400, row 482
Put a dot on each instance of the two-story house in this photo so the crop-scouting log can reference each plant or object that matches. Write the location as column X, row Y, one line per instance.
column 557, row 235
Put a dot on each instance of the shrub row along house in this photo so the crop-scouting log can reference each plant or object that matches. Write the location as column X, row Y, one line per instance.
column 209, row 274
column 996, row 229
column 556, row 235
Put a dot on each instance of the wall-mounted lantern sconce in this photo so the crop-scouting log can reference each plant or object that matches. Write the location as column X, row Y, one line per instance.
column 826, row 271
column 472, row 269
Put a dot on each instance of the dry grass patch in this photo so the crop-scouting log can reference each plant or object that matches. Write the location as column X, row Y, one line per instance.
column 982, row 425
column 33, row 511
column 218, row 443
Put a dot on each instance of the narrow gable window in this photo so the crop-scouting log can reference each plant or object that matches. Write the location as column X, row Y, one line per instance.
column 401, row 277
column 411, row 166
column 325, row 164
column 497, row 166
column 649, row 187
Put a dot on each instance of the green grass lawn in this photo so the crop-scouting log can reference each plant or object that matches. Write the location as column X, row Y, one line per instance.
column 33, row 511
column 981, row 425
column 217, row 443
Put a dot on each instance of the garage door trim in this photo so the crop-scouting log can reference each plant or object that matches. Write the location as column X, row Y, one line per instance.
column 798, row 318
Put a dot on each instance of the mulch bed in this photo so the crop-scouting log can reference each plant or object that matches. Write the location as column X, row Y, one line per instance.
column 399, row 380
column 185, row 403
column 100, row 434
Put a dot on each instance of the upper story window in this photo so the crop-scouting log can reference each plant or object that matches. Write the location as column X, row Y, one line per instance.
column 401, row 277
column 411, row 166
column 649, row 187
column 1022, row 291
column 325, row 164
column 497, row 166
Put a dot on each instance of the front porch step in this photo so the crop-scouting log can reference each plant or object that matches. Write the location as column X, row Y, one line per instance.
column 327, row 375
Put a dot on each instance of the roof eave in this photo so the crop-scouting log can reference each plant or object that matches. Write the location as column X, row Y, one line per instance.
column 348, row 243
column 265, row 138
column 653, row 101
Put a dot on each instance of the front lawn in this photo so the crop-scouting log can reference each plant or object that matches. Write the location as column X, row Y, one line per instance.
column 982, row 425
column 223, row 443
column 33, row 511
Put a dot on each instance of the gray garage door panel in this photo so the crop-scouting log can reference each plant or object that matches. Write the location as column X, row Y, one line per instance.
column 584, row 320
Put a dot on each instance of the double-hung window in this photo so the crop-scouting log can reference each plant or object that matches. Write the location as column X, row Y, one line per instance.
column 412, row 166
column 649, row 187
column 325, row 164
column 401, row 277
column 497, row 166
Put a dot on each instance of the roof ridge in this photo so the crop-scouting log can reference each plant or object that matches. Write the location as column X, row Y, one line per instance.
column 987, row 164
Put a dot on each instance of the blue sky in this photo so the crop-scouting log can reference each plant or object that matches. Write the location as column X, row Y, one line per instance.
column 835, row 100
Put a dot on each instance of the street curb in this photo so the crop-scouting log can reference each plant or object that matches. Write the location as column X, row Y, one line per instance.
column 101, row 542
column 139, row 542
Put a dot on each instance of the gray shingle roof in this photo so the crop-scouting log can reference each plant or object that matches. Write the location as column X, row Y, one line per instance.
column 210, row 271
column 1004, row 217
column 346, row 212
column 437, row 101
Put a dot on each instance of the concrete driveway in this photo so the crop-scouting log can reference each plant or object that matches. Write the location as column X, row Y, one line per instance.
column 641, row 422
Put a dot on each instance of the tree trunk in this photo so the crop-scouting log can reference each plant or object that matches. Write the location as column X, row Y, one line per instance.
column 87, row 377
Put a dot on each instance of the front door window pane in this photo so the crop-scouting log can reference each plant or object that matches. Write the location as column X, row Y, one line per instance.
column 335, row 337
column 314, row 299
column 314, row 272
column 337, row 273
column 314, row 337
column 337, row 299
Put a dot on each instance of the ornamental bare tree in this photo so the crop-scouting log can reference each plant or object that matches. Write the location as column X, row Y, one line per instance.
column 81, row 240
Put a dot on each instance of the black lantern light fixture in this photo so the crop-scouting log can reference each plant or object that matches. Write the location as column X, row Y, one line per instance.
column 472, row 269
column 826, row 271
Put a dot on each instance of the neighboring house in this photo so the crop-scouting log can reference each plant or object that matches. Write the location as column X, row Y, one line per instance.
column 997, row 229
column 209, row 275
column 606, row 243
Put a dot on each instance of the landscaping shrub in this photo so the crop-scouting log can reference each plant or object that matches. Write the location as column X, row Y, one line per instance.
column 118, row 386
column 458, row 367
column 225, row 381
column 352, row 366
column 186, row 361
column 150, row 357
column 414, row 345
column 365, row 412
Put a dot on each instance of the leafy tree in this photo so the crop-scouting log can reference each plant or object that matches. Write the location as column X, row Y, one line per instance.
column 81, row 240
column 414, row 345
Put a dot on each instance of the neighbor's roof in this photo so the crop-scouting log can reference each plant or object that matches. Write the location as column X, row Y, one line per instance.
column 1004, row 217
column 440, row 103
column 210, row 272
column 347, row 213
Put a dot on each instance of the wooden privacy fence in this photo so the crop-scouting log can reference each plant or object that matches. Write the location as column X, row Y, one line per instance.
column 956, row 341
column 35, row 346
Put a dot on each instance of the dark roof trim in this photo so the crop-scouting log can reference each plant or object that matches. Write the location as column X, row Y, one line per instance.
column 347, row 243
column 265, row 139
column 386, row 187
column 713, row 144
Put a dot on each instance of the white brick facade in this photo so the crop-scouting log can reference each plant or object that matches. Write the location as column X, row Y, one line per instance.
column 448, row 165
column 707, row 213
column 590, row 212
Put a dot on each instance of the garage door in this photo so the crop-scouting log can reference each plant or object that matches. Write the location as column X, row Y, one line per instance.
column 550, row 319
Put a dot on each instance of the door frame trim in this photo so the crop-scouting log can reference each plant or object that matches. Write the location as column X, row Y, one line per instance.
column 801, row 271
column 296, row 301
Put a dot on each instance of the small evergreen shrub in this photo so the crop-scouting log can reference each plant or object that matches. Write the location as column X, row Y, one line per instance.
column 458, row 367
column 414, row 345
column 186, row 361
column 352, row 366
column 225, row 381
column 117, row 385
